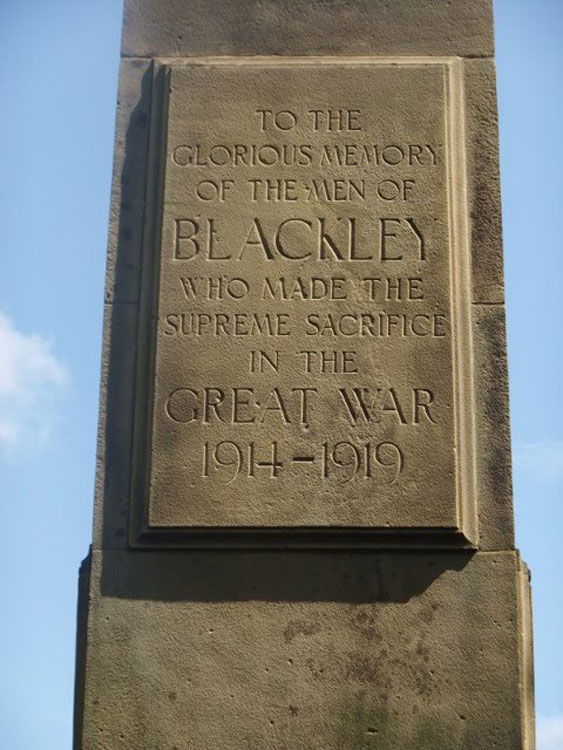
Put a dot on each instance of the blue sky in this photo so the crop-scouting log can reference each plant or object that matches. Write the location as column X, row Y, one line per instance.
column 56, row 139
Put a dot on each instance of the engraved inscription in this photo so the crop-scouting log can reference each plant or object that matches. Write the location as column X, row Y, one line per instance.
column 309, row 322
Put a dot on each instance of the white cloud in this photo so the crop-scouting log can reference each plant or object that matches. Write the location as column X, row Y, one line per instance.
column 31, row 379
column 549, row 732
column 543, row 459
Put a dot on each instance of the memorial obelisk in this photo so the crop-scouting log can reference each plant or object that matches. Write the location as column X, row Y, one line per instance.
column 303, row 531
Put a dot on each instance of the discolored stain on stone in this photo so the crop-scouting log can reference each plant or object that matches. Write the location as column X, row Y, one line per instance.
column 297, row 628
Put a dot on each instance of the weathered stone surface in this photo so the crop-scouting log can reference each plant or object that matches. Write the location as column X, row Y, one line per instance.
column 405, row 621
column 129, row 182
column 113, row 464
column 209, row 650
column 314, row 27
column 494, row 475
column 483, row 181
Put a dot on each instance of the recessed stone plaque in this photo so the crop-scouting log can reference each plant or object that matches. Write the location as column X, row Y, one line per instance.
column 305, row 305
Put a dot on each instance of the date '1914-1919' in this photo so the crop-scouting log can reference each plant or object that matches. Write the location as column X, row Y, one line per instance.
column 342, row 460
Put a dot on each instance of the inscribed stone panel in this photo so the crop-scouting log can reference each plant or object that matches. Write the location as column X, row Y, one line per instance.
column 310, row 344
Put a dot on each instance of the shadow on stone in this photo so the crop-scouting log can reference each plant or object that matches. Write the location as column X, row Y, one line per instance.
column 275, row 576
column 122, row 307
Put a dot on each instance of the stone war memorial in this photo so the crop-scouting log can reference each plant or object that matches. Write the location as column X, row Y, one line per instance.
column 303, row 534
